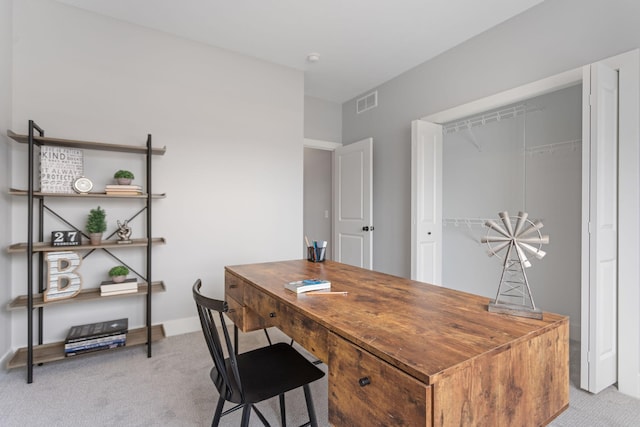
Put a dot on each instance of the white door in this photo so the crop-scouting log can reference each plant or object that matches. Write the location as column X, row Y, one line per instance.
column 353, row 204
column 426, row 202
column 600, row 228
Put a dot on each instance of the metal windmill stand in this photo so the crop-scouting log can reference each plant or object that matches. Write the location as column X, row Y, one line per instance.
column 514, row 294
column 514, row 286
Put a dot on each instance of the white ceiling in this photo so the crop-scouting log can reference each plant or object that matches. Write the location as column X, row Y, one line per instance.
column 362, row 43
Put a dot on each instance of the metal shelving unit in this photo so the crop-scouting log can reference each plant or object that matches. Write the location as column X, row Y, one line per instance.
column 34, row 301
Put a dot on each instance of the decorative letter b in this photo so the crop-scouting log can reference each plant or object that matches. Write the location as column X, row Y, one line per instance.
column 64, row 282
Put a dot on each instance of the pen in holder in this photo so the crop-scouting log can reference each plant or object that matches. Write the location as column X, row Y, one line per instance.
column 315, row 254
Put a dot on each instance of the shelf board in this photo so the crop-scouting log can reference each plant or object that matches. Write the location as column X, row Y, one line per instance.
column 89, row 145
column 16, row 192
column 90, row 294
column 55, row 351
column 85, row 246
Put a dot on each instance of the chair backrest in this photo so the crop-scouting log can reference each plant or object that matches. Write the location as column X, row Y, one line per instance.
column 206, row 306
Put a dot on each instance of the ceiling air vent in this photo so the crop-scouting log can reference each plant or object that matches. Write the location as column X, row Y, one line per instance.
column 367, row 102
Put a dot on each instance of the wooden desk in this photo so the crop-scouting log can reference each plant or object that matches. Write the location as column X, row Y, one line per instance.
column 402, row 352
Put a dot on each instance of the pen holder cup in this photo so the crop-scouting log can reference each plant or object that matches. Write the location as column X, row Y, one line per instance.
column 315, row 254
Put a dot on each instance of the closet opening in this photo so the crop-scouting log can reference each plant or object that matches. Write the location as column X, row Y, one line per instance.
column 519, row 157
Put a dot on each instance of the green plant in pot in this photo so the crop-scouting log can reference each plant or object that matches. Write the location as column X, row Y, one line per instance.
column 96, row 225
column 123, row 177
column 118, row 273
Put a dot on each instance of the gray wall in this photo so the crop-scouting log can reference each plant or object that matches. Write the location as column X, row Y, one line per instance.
column 5, row 168
column 550, row 38
column 322, row 119
column 233, row 128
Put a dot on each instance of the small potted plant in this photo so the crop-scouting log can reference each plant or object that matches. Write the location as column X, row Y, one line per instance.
column 123, row 177
column 118, row 273
column 96, row 225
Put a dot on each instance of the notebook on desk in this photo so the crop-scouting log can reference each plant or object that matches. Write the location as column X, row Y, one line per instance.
column 307, row 285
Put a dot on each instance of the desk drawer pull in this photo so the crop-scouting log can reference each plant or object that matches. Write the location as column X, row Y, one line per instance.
column 231, row 310
column 364, row 381
column 272, row 314
column 233, row 286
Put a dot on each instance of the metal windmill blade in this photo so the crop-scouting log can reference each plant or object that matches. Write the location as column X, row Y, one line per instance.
column 515, row 236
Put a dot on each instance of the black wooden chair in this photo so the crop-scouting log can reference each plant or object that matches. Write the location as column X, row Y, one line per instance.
column 248, row 378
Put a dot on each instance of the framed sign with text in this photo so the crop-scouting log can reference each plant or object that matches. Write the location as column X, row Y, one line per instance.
column 59, row 167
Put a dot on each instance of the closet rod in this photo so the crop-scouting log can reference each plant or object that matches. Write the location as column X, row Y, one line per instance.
column 469, row 222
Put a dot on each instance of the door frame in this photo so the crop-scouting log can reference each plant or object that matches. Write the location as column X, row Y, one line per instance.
column 628, row 66
column 319, row 144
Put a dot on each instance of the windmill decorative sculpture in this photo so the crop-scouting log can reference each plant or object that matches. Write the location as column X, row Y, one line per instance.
column 516, row 235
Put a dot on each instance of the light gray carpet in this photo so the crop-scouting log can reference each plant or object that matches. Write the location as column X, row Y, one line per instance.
column 125, row 388
column 173, row 388
column 609, row 408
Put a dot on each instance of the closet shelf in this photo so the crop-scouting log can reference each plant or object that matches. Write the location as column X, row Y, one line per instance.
column 496, row 116
column 551, row 148
column 465, row 221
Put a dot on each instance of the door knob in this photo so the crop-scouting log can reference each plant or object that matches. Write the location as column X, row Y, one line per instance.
column 365, row 228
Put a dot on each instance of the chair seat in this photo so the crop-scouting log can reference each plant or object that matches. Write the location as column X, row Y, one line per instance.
column 267, row 372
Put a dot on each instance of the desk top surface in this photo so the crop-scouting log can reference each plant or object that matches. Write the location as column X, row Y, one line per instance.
column 423, row 329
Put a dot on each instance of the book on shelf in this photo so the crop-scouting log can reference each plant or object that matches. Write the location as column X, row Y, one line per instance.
column 125, row 190
column 94, row 349
column 97, row 330
column 307, row 285
column 124, row 193
column 109, row 287
column 122, row 292
column 118, row 187
column 95, row 342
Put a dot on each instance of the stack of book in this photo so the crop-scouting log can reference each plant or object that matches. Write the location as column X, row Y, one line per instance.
column 109, row 287
column 123, row 190
column 96, row 336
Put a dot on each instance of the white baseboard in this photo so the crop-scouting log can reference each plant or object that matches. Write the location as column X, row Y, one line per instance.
column 4, row 360
column 187, row 325
column 182, row 326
